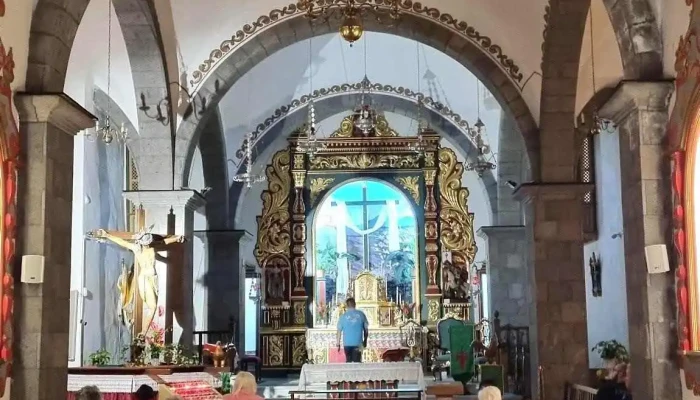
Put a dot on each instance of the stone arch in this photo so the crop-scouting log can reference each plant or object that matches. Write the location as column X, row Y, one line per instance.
column 296, row 28
column 53, row 30
column 329, row 106
column 639, row 40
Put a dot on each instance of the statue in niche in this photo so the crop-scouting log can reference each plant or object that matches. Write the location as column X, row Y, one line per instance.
column 275, row 283
column 455, row 281
column 596, row 278
column 144, row 246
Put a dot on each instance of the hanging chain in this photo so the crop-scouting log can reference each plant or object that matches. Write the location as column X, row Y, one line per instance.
column 592, row 54
column 109, row 62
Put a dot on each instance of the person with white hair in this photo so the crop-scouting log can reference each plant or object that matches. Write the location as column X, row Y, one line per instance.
column 490, row 393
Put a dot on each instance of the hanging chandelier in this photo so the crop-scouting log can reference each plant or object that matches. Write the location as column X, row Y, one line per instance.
column 364, row 116
column 248, row 177
column 254, row 293
column 484, row 159
column 351, row 13
column 598, row 124
column 105, row 131
column 310, row 145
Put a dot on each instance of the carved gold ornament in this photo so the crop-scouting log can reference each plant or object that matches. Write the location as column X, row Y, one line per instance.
column 411, row 184
column 456, row 222
column 318, row 185
column 433, row 310
column 347, row 127
column 299, row 313
column 275, row 350
column 364, row 161
column 274, row 224
column 298, row 350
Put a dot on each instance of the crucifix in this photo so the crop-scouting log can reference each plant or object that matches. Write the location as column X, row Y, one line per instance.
column 143, row 275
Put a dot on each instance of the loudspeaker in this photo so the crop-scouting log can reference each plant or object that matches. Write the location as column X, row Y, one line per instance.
column 32, row 269
column 657, row 259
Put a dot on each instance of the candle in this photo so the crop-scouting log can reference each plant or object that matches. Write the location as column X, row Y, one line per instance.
column 397, row 293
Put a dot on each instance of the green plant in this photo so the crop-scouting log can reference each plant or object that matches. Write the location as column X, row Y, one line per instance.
column 225, row 382
column 100, row 358
column 612, row 350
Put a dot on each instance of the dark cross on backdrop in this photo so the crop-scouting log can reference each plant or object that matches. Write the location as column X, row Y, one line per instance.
column 365, row 203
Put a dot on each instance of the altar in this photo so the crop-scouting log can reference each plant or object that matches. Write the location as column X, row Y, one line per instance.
column 397, row 375
column 368, row 214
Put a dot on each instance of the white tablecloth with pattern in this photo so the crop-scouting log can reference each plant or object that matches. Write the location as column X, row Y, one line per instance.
column 110, row 383
column 315, row 376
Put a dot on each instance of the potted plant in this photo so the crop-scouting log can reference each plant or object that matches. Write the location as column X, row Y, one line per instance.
column 100, row 358
column 612, row 353
column 137, row 349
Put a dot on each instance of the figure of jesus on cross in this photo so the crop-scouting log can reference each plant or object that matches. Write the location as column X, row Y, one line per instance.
column 145, row 247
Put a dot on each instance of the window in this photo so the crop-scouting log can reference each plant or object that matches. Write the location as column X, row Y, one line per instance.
column 587, row 175
column 364, row 225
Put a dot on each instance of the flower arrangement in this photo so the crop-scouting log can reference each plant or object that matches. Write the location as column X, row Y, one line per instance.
column 612, row 350
column 322, row 310
column 100, row 358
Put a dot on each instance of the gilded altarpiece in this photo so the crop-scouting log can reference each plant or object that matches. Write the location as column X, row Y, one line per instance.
column 426, row 174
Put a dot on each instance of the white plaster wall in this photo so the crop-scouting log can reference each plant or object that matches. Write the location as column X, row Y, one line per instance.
column 200, row 253
column 250, row 204
column 607, row 315
column 674, row 18
column 87, row 65
column 513, row 25
column 608, row 62
column 262, row 90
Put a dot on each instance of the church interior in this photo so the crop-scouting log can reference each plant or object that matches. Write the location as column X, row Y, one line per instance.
column 195, row 189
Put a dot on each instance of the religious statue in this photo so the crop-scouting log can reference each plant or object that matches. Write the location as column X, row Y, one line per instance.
column 126, row 294
column 275, row 284
column 596, row 281
column 455, row 281
column 144, row 246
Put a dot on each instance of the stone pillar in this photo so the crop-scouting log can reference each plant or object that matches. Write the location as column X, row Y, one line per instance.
column 507, row 273
column 48, row 123
column 172, row 212
column 640, row 111
column 558, row 334
column 225, row 280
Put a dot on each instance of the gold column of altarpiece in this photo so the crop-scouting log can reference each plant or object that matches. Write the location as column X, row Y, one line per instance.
column 297, row 181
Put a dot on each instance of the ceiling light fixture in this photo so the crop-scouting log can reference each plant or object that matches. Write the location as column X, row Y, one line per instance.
column 106, row 131
column 351, row 13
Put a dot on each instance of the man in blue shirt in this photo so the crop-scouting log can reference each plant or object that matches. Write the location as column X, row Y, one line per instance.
column 354, row 328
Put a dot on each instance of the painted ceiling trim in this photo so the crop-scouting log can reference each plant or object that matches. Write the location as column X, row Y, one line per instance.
column 351, row 88
column 462, row 28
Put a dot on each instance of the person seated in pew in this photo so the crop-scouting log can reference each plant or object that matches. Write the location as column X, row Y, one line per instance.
column 88, row 393
column 244, row 388
column 145, row 392
column 490, row 393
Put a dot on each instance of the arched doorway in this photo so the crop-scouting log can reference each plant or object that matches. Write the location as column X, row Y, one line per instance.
column 364, row 225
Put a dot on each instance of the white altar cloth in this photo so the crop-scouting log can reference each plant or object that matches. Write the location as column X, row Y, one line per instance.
column 110, row 383
column 315, row 376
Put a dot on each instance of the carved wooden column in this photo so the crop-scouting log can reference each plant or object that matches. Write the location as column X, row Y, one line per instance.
column 432, row 247
column 456, row 234
column 299, row 297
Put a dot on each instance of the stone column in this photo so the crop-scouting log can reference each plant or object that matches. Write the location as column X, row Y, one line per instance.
column 507, row 273
column 640, row 111
column 225, row 280
column 172, row 212
column 558, row 335
column 48, row 123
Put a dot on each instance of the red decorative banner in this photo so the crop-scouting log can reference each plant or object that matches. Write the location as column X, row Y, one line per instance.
column 680, row 246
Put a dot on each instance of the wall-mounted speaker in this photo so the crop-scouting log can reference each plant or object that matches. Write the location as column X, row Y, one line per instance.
column 32, row 269
column 657, row 259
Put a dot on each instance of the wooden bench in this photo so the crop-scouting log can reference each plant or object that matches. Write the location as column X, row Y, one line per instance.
column 573, row 391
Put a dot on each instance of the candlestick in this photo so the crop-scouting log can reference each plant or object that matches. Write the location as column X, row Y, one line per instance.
column 397, row 293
